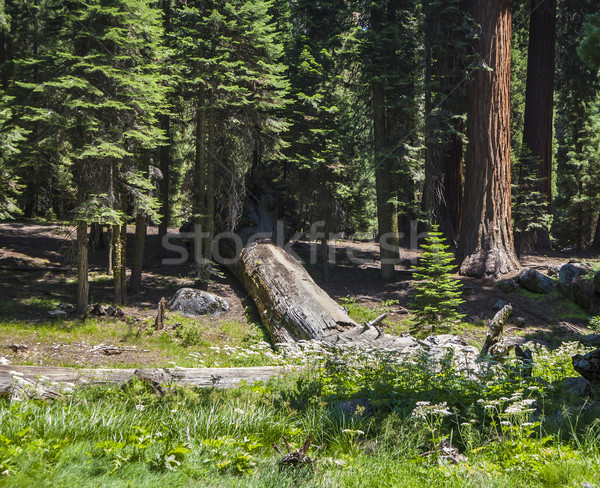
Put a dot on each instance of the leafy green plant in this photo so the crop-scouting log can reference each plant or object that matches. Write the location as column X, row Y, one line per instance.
column 436, row 293
column 595, row 323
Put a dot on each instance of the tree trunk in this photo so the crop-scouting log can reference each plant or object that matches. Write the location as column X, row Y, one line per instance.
column 596, row 243
column 116, row 264
column 135, row 281
column 294, row 308
column 198, row 377
column 210, row 183
column 444, row 102
column 83, row 287
column 165, row 169
column 199, row 203
column 539, row 101
column 387, row 213
column 486, row 246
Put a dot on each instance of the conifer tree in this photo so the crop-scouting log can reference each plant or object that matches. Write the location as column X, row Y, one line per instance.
column 10, row 137
column 577, row 84
column 436, row 292
column 234, row 79
column 105, row 96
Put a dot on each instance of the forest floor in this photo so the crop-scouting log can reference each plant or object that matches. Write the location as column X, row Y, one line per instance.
column 34, row 279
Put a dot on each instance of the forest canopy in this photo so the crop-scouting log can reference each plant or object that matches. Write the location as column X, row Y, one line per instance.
column 366, row 116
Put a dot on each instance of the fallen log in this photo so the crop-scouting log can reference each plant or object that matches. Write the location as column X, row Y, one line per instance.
column 294, row 308
column 49, row 377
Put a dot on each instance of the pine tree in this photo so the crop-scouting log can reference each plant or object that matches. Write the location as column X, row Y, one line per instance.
column 104, row 97
column 10, row 137
column 234, row 80
column 436, row 292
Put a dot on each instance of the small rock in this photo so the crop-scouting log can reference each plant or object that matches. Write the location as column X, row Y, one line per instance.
column 579, row 387
column 57, row 314
column 467, row 290
column 356, row 408
column 534, row 281
column 97, row 310
column 18, row 347
column 4, row 361
column 553, row 270
column 521, row 322
column 507, row 286
column 113, row 311
column 67, row 307
column 498, row 305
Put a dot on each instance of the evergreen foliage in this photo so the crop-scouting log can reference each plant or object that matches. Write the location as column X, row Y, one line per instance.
column 436, row 293
column 576, row 207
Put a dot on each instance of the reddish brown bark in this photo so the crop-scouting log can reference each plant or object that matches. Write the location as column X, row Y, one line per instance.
column 486, row 246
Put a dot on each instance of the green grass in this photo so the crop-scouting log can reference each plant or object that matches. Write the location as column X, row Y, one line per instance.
column 128, row 436
column 556, row 303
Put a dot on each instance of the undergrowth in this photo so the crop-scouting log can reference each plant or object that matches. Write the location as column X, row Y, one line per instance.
column 378, row 419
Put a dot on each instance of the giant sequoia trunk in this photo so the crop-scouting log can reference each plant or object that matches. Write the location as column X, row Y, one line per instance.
column 486, row 246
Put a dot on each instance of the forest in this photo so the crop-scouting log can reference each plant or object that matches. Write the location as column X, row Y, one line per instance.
column 299, row 243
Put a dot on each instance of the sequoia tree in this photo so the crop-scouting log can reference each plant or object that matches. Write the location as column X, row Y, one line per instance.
column 486, row 246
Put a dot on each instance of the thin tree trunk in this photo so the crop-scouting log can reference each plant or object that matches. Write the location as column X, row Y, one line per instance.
column 486, row 246
column 539, row 102
column 123, row 248
column 210, row 183
column 83, row 287
column 387, row 213
column 135, row 281
column 165, row 169
column 117, row 266
column 444, row 145
column 199, row 203
column 596, row 243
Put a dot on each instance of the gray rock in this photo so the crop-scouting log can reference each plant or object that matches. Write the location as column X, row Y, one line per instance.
column 499, row 305
column 467, row 290
column 190, row 302
column 553, row 270
column 507, row 286
column 591, row 340
column 582, row 293
column 521, row 322
column 534, row 281
column 576, row 386
column 569, row 273
column 588, row 366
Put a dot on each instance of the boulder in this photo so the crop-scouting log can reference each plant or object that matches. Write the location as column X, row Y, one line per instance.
column 507, row 286
column 191, row 302
column 534, row 281
column 568, row 274
column 588, row 366
column 582, row 293
column 590, row 340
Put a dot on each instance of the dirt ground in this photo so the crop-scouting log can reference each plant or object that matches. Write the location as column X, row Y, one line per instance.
column 35, row 262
